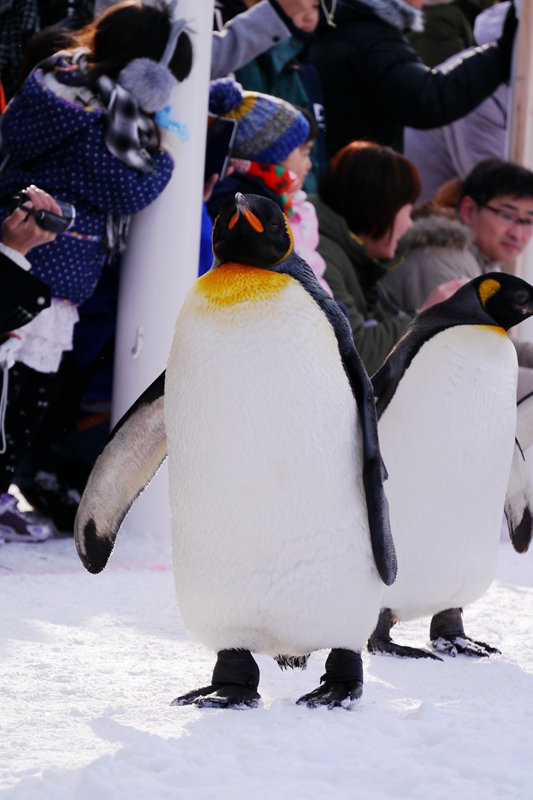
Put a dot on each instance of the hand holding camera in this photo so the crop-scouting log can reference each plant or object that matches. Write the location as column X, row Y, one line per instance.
column 36, row 219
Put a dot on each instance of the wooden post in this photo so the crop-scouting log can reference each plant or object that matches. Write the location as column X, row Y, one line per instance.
column 520, row 128
column 520, row 137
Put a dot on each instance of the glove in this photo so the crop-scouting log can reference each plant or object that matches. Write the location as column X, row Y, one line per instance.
column 507, row 37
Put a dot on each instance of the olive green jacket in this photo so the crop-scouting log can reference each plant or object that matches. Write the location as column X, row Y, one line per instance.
column 352, row 276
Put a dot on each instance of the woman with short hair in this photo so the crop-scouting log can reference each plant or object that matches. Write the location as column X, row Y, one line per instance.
column 365, row 198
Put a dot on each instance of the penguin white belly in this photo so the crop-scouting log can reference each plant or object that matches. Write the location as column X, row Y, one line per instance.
column 447, row 440
column 271, row 546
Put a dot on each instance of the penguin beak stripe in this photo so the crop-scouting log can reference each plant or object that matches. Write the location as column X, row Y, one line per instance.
column 233, row 220
column 250, row 217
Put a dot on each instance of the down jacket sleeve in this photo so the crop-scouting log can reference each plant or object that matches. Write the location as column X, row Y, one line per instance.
column 427, row 98
column 245, row 37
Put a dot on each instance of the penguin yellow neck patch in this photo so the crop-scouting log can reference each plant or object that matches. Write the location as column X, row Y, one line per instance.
column 233, row 283
column 488, row 289
column 494, row 329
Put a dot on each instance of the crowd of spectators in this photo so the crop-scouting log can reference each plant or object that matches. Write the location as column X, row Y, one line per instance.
column 348, row 114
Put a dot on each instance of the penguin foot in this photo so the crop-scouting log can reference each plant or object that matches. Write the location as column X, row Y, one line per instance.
column 333, row 694
column 380, row 641
column 233, row 684
column 342, row 683
column 389, row 648
column 447, row 635
column 463, row 645
column 217, row 696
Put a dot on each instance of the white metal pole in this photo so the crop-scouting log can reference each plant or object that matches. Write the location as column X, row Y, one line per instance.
column 161, row 260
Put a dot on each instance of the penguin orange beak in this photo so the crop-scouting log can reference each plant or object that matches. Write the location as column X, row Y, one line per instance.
column 244, row 209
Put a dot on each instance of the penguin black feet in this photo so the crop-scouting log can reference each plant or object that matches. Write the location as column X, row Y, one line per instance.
column 381, row 642
column 342, row 682
column 233, row 685
column 448, row 636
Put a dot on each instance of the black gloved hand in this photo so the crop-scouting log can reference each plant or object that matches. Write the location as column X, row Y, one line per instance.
column 507, row 37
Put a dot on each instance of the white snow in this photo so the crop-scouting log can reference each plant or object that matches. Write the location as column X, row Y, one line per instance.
column 91, row 663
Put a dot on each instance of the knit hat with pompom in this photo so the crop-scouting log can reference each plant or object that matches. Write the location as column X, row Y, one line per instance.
column 268, row 128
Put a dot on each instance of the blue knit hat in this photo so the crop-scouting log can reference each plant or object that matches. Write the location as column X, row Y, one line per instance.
column 268, row 128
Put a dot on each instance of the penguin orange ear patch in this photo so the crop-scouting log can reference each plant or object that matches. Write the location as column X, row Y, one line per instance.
column 488, row 289
column 254, row 221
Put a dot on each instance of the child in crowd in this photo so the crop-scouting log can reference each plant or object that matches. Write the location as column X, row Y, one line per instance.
column 271, row 158
column 304, row 221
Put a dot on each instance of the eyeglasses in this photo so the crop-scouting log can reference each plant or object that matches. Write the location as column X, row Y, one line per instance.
column 509, row 217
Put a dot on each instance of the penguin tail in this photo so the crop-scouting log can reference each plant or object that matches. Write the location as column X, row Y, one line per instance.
column 291, row 662
column 132, row 456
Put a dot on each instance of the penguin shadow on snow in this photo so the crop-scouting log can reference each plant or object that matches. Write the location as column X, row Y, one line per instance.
column 212, row 748
column 398, row 687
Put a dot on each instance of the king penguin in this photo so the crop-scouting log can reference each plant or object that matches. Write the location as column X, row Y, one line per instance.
column 446, row 403
column 281, row 542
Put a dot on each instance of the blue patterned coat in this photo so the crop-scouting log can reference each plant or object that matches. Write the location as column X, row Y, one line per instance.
column 59, row 146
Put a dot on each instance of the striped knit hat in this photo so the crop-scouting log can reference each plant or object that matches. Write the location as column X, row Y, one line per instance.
column 268, row 128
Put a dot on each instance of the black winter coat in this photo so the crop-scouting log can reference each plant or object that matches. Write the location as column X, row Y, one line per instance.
column 22, row 297
column 374, row 83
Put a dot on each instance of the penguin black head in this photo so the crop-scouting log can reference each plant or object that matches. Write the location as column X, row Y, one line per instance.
column 507, row 299
column 251, row 230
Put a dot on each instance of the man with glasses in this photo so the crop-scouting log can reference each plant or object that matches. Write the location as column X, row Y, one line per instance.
column 492, row 224
column 497, row 205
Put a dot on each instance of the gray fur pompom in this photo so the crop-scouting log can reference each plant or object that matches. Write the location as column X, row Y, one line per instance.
column 149, row 82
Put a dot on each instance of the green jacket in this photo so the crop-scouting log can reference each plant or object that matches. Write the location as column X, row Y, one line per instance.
column 352, row 276
column 271, row 73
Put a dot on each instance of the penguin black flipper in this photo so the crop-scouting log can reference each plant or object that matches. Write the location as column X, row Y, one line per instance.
column 374, row 472
column 519, row 502
column 134, row 452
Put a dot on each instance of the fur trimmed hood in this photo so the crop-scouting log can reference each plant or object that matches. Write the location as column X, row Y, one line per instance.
column 435, row 231
column 397, row 13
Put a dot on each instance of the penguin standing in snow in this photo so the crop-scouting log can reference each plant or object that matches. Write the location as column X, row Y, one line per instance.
column 446, row 402
column 280, row 533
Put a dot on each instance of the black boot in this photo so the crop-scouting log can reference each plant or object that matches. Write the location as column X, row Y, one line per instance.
column 342, row 682
column 448, row 636
column 233, row 685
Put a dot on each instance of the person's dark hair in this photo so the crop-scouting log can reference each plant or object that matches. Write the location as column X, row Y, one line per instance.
column 313, row 127
column 41, row 46
column 132, row 30
column 368, row 184
column 494, row 177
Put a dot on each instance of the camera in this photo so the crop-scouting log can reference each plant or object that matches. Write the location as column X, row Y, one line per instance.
column 46, row 219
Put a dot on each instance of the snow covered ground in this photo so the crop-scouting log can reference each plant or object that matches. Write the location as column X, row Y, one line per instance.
column 91, row 663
